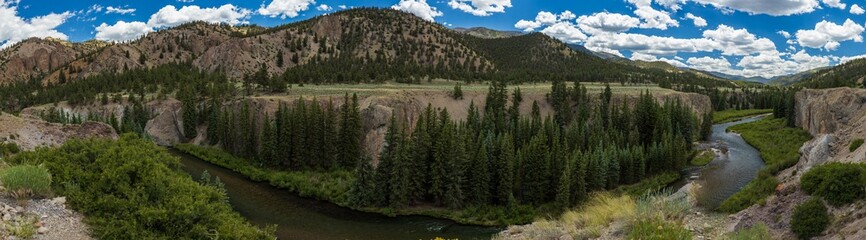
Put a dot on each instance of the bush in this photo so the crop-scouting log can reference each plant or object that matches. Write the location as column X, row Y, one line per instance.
column 27, row 180
column 855, row 144
column 838, row 183
column 759, row 231
column 133, row 189
column 656, row 228
column 810, row 219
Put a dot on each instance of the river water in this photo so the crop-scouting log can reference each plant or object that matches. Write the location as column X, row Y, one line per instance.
column 735, row 165
column 303, row 218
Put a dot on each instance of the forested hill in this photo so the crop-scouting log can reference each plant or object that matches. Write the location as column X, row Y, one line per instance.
column 850, row 74
column 358, row 45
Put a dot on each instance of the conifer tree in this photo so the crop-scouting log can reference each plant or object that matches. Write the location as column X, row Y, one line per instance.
column 505, row 168
column 361, row 192
column 350, row 131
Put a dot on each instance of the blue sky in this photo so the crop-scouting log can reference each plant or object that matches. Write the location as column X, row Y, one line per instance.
column 743, row 37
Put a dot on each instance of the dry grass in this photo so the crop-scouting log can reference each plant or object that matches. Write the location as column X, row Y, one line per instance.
column 602, row 210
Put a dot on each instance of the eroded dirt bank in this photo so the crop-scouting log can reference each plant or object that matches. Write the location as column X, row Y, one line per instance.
column 834, row 117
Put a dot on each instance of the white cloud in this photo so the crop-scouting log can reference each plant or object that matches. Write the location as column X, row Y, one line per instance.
column 857, row 10
column 769, row 7
column 285, row 8
column 119, row 10
column 607, row 22
column 847, row 59
column 828, row 35
column 651, row 58
column 654, row 45
column 835, row 4
column 527, row 26
column 738, row 41
column 14, row 28
column 418, row 7
column 698, row 21
column 673, row 5
column 543, row 19
column 170, row 16
column 784, row 33
column 707, row 63
column 653, row 18
column 566, row 32
column 480, row 7
column 324, row 8
column 122, row 31
column 342, row 6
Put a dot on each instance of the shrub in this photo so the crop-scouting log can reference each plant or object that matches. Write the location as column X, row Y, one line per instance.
column 759, row 231
column 838, row 183
column 656, row 228
column 24, row 181
column 133, row 189
column 810, row 219
column 855, row 144
column 457, row 93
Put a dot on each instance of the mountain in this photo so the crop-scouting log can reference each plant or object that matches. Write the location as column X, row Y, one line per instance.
column 850, row 74
column 483, row 32
column 357, row 45
column 602, row 55
column 788, row 80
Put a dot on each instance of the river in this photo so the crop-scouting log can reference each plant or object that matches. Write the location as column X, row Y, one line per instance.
column 304, row 218
column 735, row 165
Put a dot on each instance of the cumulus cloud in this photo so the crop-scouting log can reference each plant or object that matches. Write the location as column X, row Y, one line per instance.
column 170, row 16
column 324, row 8
column 835, row 4
column 651, row 58
column 785, row 34
column 607, row 22
column 828, row 35
column 653, row 18
column 769, row 7
column 14, row 28
column 119, row 10
column 418, row 7
column 285, row 8
column 122, row 31
column 857, row 10
column 566, row 32
column 673, row 5
column 480, row 7
column 707, row 63
column 738, row 41
column 698, row 21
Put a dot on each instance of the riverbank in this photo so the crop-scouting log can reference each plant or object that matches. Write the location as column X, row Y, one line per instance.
column 333, row 187
column 736, row 115
column 779, row 147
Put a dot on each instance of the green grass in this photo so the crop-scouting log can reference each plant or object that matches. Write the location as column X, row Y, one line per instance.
column 759, row 231
column 333, row 187
column 855, row 144
column 734, row 115
column 703, row 158
column 650, row 185
column 25, row 180
column 779, row 146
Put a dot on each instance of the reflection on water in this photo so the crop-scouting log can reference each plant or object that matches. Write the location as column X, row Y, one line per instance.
column 730, row 171
column 302, row 218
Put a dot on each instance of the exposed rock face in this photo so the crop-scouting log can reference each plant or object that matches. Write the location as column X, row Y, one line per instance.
column 34, row 57
column 29, row 133
column 835, row 117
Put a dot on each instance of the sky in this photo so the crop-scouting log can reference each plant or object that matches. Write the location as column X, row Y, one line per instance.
column 749, row 38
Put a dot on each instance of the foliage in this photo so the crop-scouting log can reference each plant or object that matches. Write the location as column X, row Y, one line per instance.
column 855, row 144
column 24, row 180
column 658, row 229
column 649, row 185
column 810, row 219
column 837, row 183
column 601, row 210
column 703, row 158
column 457, row 93
column 779, row 146
column 8, row 148
column 734, row 115
column 111, row 182
column 757, row 231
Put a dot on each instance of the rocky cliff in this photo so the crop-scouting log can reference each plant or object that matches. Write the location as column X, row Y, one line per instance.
column 165, row 128
column 29, row 133
column 835, row 117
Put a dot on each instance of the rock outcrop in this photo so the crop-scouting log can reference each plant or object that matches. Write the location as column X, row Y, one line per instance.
column 29, row 133
column 835, row 117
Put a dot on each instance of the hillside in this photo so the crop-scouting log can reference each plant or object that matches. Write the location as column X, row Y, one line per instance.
column 358, row 45
column 849, row 74
column 483, row 32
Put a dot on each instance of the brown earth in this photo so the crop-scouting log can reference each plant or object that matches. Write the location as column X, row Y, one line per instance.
column 29, row 132
column 835, row 117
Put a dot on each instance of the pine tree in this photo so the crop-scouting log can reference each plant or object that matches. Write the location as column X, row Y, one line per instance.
column 563, row 191
column 479, row 176
column 605, row 106
column 505, row 168
column 269, row 143
column 361, row 192
column 385, row 170
column 350, row 131
column 707, row 126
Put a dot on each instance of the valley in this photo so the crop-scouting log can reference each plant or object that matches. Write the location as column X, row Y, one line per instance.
column 373, row 123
